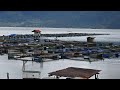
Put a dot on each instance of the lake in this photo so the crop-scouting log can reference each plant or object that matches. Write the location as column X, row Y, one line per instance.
column 113, row 37
column 109, row 67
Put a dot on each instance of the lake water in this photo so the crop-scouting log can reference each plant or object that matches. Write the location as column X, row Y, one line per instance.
column 113, row 37
column 109, row 67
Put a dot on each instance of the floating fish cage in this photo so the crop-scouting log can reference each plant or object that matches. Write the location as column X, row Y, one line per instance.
column 56, row 57
column 37, row 59
column 10, row 56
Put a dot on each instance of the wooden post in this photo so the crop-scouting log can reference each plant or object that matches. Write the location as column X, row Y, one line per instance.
column 40, row 75
column 57, row 77
column 24, row 62
column 7, row 75
column 23, row 66
column 95, row 76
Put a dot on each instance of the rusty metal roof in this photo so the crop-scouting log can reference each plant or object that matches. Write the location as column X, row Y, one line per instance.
column 36, row 31
column 75, row 72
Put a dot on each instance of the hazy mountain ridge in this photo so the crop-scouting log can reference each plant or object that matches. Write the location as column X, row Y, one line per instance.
column 76, row 19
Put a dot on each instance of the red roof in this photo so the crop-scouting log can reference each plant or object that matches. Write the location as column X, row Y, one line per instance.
column 36, row 31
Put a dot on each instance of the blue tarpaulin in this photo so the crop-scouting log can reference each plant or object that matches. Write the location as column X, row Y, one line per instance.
column 105, row 55
column 12, row 35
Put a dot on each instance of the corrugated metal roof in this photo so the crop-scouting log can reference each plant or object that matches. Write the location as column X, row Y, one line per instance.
column 36, row 31
column 75, row 72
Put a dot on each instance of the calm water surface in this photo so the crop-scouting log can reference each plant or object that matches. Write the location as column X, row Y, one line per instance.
column 109, row 67
column 113, row 37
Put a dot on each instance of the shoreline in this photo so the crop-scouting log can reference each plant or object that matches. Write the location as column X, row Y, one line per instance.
column 57, row 27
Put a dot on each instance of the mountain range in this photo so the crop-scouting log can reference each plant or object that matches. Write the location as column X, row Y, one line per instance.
column 61, row 19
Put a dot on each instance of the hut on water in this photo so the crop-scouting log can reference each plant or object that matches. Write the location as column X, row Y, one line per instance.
column 73, row 72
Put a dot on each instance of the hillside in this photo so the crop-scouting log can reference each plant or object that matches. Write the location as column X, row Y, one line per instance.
column 73, row 19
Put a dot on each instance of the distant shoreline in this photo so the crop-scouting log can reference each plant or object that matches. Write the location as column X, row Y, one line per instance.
column 57, row 27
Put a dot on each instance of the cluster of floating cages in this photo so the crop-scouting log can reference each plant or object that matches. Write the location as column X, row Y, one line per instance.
column 64, row 50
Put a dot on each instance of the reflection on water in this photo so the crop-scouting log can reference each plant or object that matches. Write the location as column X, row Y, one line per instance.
column 109, row 67
column 41, row 65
